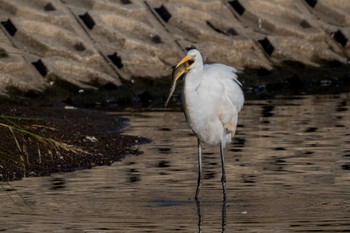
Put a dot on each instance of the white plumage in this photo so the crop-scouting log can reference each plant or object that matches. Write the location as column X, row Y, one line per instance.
column 212, row 98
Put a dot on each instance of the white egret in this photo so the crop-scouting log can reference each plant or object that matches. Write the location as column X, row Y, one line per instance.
column 212, row 97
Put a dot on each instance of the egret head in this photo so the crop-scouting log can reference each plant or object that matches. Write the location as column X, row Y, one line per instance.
column 192, row 58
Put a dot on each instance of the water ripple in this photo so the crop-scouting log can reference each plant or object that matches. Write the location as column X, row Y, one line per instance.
column 287, row 171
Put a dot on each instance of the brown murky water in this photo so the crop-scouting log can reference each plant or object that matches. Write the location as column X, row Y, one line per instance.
column 288, row 170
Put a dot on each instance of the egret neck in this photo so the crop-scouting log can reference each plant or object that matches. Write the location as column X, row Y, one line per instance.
column 192, row 81
column 192, row 103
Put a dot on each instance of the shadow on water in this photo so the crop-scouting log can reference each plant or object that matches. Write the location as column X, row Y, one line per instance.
column 287, row 171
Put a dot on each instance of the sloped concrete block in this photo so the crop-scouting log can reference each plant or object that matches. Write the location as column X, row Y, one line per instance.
column 92, row 43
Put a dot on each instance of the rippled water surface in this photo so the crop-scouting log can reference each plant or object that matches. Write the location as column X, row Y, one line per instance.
column 288, row 170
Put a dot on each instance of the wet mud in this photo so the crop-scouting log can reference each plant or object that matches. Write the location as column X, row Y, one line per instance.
column 38, row 141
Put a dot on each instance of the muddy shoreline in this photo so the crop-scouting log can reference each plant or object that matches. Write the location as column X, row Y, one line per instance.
column 39, row 140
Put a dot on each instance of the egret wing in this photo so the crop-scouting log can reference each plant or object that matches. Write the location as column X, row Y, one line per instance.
column 230, row 102
column 226, row 77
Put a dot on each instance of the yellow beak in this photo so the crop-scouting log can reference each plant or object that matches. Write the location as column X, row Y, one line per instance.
column 182, row 67
column 183, row 61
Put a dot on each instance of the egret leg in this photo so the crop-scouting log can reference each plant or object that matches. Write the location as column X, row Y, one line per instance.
column 223, row 174
column 223, row 216
column 199, row 212
column 199, row 182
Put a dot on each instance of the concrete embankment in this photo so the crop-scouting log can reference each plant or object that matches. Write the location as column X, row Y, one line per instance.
column 92, row 44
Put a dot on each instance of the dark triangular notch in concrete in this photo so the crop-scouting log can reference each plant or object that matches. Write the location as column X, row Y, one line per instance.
column 156, row 39
column 237, row 6
column 125, row 2
column 267, row 46
column 232, row 32
column 40, row 67
column 163, row 13
column 88, row 20
column 311, row 3
column 79, row 46
column 305, row 24
column 49, row 7
column 3, row 53
column 9, row 27
column 117, row 60
column 339, row 37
